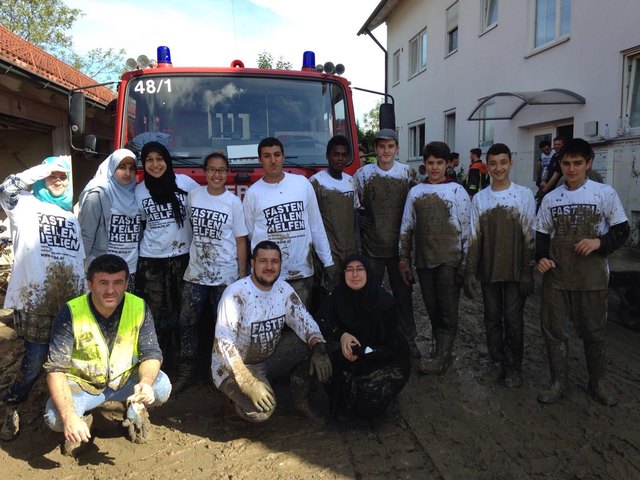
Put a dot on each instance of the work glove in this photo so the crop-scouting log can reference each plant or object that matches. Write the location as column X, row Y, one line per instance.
column 406, row 272
column 330, row 277
column 260, row 393
column 320, row 362
column 526, row 283
column 470, row 285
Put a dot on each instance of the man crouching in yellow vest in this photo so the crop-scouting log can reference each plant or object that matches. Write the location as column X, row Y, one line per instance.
column 103, row 348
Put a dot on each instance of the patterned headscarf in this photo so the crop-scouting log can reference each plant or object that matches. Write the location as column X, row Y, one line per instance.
column 60, row 163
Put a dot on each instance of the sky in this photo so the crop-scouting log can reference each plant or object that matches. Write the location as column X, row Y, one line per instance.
column 215, row 32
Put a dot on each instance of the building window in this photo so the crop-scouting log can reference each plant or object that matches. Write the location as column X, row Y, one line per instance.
column 551, row 21
column 631, row 101
column 416, row 141
column 450, row 129
column 489, row 14
column 395, row 74
column 452, row 28
column 418, row 53
column 485, row 137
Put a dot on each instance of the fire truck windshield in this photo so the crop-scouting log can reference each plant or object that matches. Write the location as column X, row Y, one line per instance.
column 195, row 114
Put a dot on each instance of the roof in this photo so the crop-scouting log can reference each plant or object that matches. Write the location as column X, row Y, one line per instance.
column 379, row 16
column 19, row 52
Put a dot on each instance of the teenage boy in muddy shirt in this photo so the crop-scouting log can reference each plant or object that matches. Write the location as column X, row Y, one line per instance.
column 382, row 189
column 250, row 346
column 338, row 205
column 577, row 226
column 436, row 215
column 501, row 256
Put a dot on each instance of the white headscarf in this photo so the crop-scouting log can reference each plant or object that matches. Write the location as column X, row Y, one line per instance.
column 122, row 197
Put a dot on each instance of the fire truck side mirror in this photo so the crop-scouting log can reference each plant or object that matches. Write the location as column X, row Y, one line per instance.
column 387, row 116
column 76, row 113
column 90, row 143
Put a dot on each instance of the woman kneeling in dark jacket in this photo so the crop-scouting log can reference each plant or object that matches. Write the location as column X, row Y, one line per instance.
column 370, row 358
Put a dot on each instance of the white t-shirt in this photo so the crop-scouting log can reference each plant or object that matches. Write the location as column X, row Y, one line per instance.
column 217, row 220
column 250, row 323
column 569, row 216
column 338, row 204
column 287, row 213
column 124, row 237
column 162, row 238
column 48, row 265
column 382, row 194
column 436, row 218
column 502, row 233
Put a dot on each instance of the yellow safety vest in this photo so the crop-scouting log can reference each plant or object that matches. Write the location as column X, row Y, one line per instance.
column 93, row 366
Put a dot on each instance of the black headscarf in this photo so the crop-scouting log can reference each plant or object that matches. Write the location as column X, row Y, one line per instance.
column 163, row 190
column 360, row 311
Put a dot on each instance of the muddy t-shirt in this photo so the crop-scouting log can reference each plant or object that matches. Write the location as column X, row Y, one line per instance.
column 250, row 322
column 338, row 204
column 382, row 195
column 501, row 245
column 48, row 265
column 162, row 237
column 287, row 213
column 217, row 220
column 569, row 216
column 436, row 220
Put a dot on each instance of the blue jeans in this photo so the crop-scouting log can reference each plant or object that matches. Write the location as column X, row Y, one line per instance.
column 84, row 402
column 35, row 354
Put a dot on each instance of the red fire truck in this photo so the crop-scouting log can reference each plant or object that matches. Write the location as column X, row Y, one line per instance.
column 195, row 111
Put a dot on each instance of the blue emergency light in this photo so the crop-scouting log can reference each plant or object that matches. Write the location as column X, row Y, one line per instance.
column 308, row 61
column 164, row 57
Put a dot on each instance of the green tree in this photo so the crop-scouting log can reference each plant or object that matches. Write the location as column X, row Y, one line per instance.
column 265, row 60
column 371, row 119
column 45, row 23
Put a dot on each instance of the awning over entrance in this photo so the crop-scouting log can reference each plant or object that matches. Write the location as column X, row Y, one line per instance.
column 506, row 105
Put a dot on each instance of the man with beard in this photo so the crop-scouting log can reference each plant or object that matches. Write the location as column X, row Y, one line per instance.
column 251, row 347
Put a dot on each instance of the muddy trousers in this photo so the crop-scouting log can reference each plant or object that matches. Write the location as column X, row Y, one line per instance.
column 587, row 311
column 504, row 322
column 290, row 357
column 194, row 299
column 441, row 294
column 35, row 354
column 303, row 287
column 400, row 290
column 84, row 402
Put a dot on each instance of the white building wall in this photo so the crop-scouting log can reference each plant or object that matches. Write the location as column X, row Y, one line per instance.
column 589, row 63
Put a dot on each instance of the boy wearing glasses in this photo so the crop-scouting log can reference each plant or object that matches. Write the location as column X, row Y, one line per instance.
column 436, row 216
column 217, row 258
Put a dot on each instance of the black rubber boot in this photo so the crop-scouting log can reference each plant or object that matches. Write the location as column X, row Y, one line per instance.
column 559, row 366
column 301, row 384
column 184, row 376
column 440, row 363
column 595, row 354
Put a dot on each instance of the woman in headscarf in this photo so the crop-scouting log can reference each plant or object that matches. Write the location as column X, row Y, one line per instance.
column 369, row 356
column 109, row 215
column 47, row 268
column 166, row 239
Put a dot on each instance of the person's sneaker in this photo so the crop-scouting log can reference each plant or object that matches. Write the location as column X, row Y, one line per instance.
column 72, row 449
column 137, row 423
column 11, row 424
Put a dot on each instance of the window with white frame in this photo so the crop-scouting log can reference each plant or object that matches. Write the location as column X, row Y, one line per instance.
column 489, row 14
column 452, row 28
column 450, row 129
column 395, row 74
column 631, row 90
column 552, row 20
column 485, row 137
column 416, row 140
column 418, row 53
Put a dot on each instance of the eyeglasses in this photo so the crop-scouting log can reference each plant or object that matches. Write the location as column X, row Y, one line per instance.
column 63, row 177
column 352, row 270
column 219, row 171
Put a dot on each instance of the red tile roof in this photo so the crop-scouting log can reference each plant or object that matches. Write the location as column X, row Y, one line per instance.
column 18, row 51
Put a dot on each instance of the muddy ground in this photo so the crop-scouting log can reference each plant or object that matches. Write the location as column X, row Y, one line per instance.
column 461, row 425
